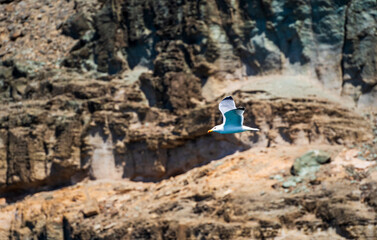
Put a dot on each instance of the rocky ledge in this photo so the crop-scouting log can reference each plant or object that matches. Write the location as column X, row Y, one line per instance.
column 241, row 196
column 63, row 131
column 105, row 107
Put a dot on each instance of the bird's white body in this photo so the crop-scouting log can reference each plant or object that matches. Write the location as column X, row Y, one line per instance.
column 232, row 118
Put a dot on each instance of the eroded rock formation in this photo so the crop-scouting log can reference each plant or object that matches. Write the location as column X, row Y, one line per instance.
column 241, row 38
column 116, row 89
column 231, row 198
column 148, row 113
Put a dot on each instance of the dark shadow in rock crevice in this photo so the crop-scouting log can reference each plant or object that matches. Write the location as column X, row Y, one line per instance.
column 179, row 160
column 284, row 133
column 61, row 177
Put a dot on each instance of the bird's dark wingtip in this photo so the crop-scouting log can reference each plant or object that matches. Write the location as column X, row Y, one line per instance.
column 241, row 108
column 228, row 98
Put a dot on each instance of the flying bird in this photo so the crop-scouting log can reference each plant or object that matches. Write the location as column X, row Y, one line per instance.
column 232, row 118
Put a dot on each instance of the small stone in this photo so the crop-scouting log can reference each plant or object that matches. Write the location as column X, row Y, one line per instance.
column 5, row 72
column 297, row 190
column 9, row 7
column 15, row 34
column 277, row 177
column 91, row 208
column 96, row 227
column 26, row 69
column 354, row 195
column 314, row 181
column 48, row 197
column 289, row 183
column 298, row 179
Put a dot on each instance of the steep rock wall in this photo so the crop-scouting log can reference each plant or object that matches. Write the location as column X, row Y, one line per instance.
column 109, row 130
column 233, row 39
column 125, row 89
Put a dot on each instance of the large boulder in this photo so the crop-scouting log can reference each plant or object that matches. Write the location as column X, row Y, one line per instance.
column 310, row 162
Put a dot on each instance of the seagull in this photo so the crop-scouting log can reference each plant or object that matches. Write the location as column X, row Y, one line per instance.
column 232, row 118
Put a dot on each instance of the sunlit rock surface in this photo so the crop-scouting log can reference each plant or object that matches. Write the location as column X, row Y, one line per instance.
column 105, row 107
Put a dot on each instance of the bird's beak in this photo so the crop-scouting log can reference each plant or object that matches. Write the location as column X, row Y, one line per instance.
column 209, row 131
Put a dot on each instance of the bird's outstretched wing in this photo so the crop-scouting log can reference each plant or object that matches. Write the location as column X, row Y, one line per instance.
column 226, row 105
column 234, row 118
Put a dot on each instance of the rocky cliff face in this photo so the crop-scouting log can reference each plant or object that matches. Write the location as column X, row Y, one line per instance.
column 139, row 86
column 231, row 198
column 128, row 89
column 217, row 39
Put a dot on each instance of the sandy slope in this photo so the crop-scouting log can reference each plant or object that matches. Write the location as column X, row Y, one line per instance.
column 237, row 197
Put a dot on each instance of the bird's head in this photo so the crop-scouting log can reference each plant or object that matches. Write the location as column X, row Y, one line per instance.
column 215, row 129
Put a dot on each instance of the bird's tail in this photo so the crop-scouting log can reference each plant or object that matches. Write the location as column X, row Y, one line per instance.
column 250, row 129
